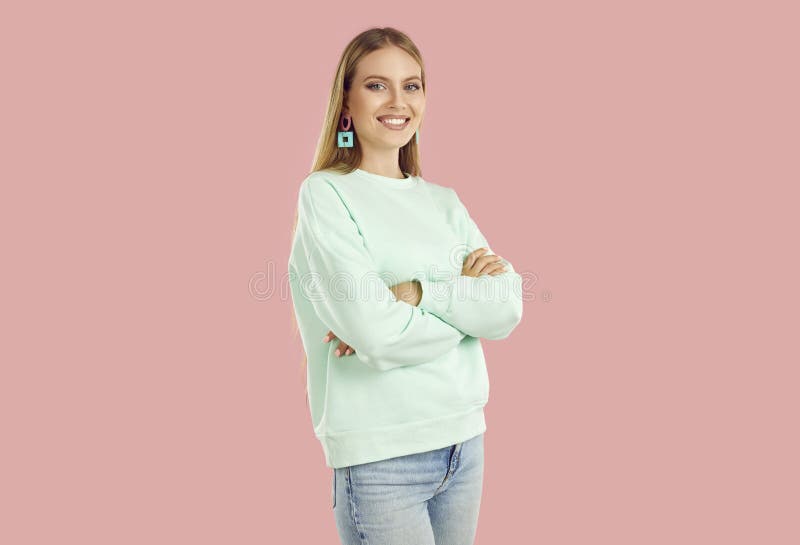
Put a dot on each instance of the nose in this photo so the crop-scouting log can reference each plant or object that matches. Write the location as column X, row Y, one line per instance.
column 397, row 102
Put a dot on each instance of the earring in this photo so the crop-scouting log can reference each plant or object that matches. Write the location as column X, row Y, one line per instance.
column 417, row 136
column 345, row 135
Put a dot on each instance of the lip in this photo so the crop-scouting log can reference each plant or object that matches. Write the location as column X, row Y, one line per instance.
column 395, row 127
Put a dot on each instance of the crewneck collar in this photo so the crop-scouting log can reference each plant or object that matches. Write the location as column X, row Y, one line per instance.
column 386, row 181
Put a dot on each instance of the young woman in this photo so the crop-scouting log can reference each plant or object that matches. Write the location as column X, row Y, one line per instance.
column 393, row 286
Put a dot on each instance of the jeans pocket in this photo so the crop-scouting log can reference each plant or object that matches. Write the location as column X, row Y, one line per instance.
column 333, row 499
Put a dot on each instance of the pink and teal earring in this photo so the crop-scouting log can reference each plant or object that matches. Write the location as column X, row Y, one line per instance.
column 345, row 135
column 417, row 136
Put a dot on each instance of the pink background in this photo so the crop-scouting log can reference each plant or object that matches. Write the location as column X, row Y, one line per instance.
column 640, row 161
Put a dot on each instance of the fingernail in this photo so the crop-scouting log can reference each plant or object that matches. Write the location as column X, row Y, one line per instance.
column 338, row 352
column 326, row 338
column 348, row 352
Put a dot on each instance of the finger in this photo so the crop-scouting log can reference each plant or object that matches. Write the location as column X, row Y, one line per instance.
column 470, row 261
column 329, row 336
column 486, row 260
column 340, row 349
column 494, row 268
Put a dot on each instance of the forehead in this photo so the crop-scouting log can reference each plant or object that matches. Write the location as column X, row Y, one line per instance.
column 391, row 62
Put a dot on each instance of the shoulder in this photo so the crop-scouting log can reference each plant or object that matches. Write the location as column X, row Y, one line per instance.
column 318, row 178
column 319, row 183
column 329, row 182
column 445, row 196
column 326, row 193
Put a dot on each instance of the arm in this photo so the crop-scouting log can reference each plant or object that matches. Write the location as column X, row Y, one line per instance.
column 349, row 296
column 487, row 306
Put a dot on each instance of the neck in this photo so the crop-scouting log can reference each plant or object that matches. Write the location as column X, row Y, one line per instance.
column 388, row 166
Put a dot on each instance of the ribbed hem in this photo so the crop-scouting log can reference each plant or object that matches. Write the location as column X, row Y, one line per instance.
column 360, row 447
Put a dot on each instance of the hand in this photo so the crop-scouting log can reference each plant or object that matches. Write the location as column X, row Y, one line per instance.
column 476, row 264
column 343, row 349
column 410, row 292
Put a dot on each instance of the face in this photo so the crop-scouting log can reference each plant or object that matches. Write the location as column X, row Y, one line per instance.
column 387, row 82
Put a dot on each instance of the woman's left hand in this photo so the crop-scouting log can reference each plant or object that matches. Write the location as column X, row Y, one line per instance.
column 344, row 349
column 410, row 292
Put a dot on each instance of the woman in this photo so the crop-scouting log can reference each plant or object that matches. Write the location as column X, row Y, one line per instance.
column 393, row 285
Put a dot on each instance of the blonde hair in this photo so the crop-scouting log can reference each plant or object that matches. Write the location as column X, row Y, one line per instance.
column 328, row 155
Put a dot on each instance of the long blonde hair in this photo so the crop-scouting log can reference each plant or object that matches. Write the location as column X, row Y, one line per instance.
column 329, row 156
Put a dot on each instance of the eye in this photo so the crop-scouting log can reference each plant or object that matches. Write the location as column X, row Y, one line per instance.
column 372, row 86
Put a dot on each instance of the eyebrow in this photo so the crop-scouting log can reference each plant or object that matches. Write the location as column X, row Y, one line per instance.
column 387, row 79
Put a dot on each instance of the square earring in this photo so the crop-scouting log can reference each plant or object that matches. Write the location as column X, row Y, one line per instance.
column 345, row 139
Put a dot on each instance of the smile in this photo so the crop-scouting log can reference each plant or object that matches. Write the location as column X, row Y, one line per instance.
column 395, row 124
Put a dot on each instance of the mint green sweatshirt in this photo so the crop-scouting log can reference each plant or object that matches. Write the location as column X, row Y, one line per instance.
column 417, row 380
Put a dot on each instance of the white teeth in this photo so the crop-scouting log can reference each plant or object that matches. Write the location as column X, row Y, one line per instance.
column 394, row 121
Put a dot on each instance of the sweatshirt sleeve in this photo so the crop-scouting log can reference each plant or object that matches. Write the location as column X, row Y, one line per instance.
column 487, row 306
column 349, row 296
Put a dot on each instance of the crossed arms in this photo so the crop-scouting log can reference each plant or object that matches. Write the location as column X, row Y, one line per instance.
column 412, row 322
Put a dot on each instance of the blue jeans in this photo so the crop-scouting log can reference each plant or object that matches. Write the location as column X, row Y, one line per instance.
column 427, row 498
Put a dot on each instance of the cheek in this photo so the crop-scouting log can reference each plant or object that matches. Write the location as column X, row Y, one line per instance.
column 363, row 105
column 369, row 108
